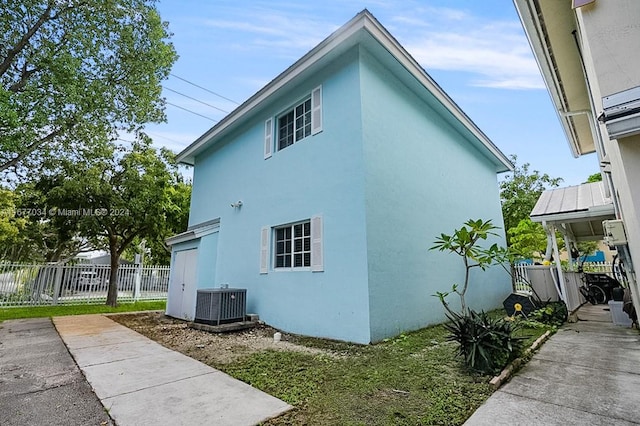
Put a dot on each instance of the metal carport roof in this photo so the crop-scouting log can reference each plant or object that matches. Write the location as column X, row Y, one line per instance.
column 578, row 209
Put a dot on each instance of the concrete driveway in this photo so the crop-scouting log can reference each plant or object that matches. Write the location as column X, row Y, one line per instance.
column 40, row 384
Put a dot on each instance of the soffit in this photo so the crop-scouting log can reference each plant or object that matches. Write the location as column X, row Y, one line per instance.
column 549, row 25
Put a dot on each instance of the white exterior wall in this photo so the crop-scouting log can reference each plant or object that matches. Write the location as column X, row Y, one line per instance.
column 610, row 31
column 610, row 40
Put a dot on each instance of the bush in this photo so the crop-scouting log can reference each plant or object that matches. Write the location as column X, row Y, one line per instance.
column 552, row 313
column 486, row 344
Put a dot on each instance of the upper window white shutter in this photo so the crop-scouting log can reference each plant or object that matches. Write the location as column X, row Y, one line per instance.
column 264, row 250
column 317, row 257
column 316, row 110
column 268, row 138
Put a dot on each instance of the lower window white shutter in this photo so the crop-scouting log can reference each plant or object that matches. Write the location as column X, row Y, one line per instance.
column 264, row 250
column 317, row 256
column 268, row 138
column 316, row 110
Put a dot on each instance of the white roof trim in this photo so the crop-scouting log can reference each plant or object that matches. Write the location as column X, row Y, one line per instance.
column 573, row 204
column 534, row 30
column 391, row 44
column 195, row 232
column 606, row 212
column 284, row 78
column 362, row 21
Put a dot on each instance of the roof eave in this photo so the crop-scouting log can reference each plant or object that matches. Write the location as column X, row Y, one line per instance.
column 194, row 232
column 187, row 155
column 396, row 50
column 538, row 40
column 363, row 20
column 604, row 212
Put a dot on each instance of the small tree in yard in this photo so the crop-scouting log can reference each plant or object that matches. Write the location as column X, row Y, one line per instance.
column 486, row 344
column 463, row 242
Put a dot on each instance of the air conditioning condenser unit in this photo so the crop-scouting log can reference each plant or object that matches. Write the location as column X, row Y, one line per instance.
column 217, row 306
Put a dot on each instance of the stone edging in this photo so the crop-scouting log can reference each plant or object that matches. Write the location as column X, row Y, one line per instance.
column 498, row 380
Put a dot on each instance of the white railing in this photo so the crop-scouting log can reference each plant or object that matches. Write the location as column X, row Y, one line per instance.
column 602, row 267
column 53, row 284
column 573, row 280
column 521, row 283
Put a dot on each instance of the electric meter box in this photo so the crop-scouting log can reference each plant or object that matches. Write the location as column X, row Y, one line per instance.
column 614, row 234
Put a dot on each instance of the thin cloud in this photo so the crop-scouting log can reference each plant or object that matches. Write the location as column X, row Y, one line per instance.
column 244, row 27
column 514, row 84
column 495, row 54
column 281, row 32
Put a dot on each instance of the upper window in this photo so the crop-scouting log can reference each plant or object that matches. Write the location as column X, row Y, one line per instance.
column 294, row 125
column 293, row 246
column 301, row 121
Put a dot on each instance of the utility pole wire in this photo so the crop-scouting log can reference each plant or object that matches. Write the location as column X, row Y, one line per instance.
column 192, row 112
column 194, row 99
column 205, row 89
column 164, row 137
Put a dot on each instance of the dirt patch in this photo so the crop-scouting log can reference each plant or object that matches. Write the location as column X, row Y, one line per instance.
column 211, row 348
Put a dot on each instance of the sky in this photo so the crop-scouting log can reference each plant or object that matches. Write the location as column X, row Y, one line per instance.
column 475, row 50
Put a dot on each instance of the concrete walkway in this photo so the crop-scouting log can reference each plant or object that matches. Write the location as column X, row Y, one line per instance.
column 140, row 382
column 586, row 374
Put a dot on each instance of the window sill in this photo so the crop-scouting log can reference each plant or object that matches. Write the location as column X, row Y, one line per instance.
column 303, row 269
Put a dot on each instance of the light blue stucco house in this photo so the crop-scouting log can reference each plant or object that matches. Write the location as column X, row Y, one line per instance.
column 322, row 193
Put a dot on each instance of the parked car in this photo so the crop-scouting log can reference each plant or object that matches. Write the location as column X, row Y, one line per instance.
column 87, row 280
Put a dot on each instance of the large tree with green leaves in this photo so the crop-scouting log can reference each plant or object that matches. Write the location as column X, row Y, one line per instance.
column 74, row 72
column 12, row 223
column 42, row 237
column 520, row 191
column 118, row 199
column 528, row 240
column 175, row 221
column 596, row 177
column 176, row 217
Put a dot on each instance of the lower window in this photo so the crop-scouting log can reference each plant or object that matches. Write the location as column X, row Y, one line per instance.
column 293, row 245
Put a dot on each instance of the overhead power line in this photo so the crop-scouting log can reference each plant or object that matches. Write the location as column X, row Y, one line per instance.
column 197, row 100
column 192, row 112
column 164, row 137
column 205, row 89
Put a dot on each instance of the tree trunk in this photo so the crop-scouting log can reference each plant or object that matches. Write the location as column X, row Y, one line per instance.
column 112, row 294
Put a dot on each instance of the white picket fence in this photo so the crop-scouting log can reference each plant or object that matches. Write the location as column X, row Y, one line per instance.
column 56, row 284
column 602, row 267
column 573, row 280
column 521, row 277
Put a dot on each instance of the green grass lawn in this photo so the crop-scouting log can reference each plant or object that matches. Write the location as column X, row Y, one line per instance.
column 413, row 379
column 59, row 310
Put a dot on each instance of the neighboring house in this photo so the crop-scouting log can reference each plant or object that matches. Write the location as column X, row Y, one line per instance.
column 101, row 259
column 323, row 192
column 587, row 51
